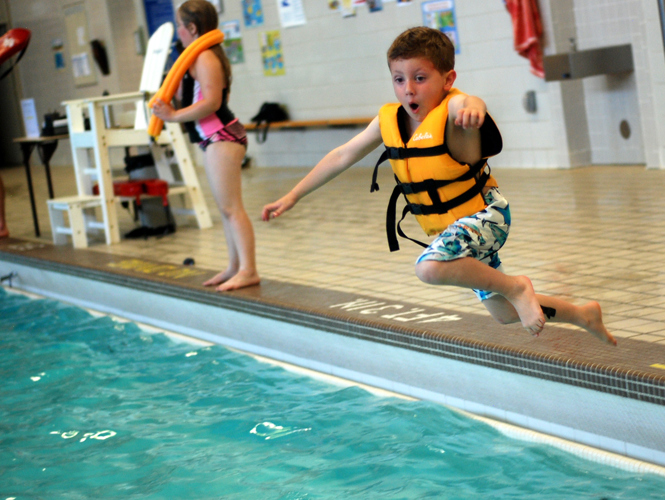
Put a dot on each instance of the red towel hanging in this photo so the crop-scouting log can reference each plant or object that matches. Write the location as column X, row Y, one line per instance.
column 527, row 31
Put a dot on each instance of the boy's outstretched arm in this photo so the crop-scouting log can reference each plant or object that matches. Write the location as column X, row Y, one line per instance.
column 466, row 114
column 333, row 164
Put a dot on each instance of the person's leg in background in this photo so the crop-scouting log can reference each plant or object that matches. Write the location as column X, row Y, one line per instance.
column 4, row 231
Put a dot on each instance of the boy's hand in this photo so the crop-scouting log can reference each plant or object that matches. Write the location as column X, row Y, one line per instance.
column 466, row 114
column 277, row 208
column 470, row 117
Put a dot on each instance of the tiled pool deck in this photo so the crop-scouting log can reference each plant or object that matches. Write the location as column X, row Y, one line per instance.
column 592, row 233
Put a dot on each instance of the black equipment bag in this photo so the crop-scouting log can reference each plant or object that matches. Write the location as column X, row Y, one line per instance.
column 270, row 112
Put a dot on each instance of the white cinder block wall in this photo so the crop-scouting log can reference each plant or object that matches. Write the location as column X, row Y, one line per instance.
column 335, row 68
column 651, row 82
column 611, row 99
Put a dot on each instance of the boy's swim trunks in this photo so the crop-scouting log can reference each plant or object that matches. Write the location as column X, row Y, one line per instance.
column 480, row 236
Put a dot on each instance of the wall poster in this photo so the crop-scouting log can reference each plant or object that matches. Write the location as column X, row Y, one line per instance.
column 291, row 13
column 252, row 11
column 76, row 23
column 233, row 41
column 347, row 8
column 271, row 52
column 440, row 15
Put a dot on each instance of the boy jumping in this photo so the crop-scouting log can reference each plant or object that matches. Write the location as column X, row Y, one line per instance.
column 437, row 139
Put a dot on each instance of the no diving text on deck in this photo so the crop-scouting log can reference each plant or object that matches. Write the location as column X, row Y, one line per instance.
column 414, row 314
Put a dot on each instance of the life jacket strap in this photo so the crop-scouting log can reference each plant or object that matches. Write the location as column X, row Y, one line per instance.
column 432, row 184
column 437, row 206
column 391, row 153
column 390, row 222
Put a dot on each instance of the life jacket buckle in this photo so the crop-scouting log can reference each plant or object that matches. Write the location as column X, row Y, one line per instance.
column 416, row 209
column 394, row 153
column 407, row 188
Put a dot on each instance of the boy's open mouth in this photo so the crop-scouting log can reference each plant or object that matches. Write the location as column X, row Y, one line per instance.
column 414, row 106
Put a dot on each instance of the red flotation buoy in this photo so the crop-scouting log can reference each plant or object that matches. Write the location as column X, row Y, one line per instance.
column 15, row 41
column 138, row 188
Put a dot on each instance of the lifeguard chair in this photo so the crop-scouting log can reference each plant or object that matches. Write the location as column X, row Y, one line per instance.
column 90, row 151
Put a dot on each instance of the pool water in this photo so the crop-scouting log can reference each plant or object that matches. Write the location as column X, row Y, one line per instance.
column 94, row 408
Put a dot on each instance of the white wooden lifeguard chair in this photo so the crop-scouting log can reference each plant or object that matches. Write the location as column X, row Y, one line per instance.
column 90, row 152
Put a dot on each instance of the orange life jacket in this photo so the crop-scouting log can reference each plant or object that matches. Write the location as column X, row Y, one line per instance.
column 439, row 190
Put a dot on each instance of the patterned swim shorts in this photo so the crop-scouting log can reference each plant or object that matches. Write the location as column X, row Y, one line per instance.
column 232, row 132
column 480, row 236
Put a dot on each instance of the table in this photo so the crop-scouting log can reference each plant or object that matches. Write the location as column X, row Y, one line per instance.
column 46, row 146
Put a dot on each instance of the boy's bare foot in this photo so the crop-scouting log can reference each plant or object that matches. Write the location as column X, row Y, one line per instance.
column 527, row 306
column 240, row 280
column 220, row 278
column 4, row 233
column 593, row 316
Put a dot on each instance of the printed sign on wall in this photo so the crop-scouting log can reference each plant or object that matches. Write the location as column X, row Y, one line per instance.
column 271, row 52
column 252, row 11
column 291, row 13
column 440, row 15
column 347, row 8
column 233, row 41
column 76, row 22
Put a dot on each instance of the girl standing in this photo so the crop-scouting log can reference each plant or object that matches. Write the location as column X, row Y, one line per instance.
column 204, row 93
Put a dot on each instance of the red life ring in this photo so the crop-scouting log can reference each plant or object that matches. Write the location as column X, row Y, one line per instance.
column 15, row 41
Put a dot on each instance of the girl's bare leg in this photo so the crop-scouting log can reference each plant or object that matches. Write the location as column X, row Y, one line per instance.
column 223, row 165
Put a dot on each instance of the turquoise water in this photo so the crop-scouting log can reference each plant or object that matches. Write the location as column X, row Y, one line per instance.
column 92, row 408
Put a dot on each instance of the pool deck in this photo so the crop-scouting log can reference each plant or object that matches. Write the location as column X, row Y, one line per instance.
column 633, row 370
column 324, row 266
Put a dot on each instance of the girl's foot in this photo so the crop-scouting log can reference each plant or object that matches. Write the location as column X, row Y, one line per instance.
column 526, row 304
column 593, row 317
column 220, row 278
column 240, row 280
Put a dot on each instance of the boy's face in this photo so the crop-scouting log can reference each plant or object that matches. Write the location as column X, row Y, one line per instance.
column 418, row 85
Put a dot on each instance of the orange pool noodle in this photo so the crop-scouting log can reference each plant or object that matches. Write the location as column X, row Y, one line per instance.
column 194, row 48
column 177, row 71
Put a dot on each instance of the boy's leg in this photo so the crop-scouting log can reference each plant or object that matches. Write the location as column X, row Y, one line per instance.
column 465, row 254
column 468, row 272
column 588, row 316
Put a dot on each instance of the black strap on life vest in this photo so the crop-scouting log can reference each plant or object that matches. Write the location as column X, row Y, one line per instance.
column 402, row 154
column 431, row 186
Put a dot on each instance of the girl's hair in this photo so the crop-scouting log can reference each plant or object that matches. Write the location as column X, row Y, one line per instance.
column 204, row 16
column 427, row 43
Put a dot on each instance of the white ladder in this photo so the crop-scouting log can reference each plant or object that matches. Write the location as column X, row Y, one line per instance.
column 90, row 152
column 80, row 215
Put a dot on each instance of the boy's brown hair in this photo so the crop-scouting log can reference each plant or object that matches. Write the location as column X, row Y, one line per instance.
column 427, row 43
